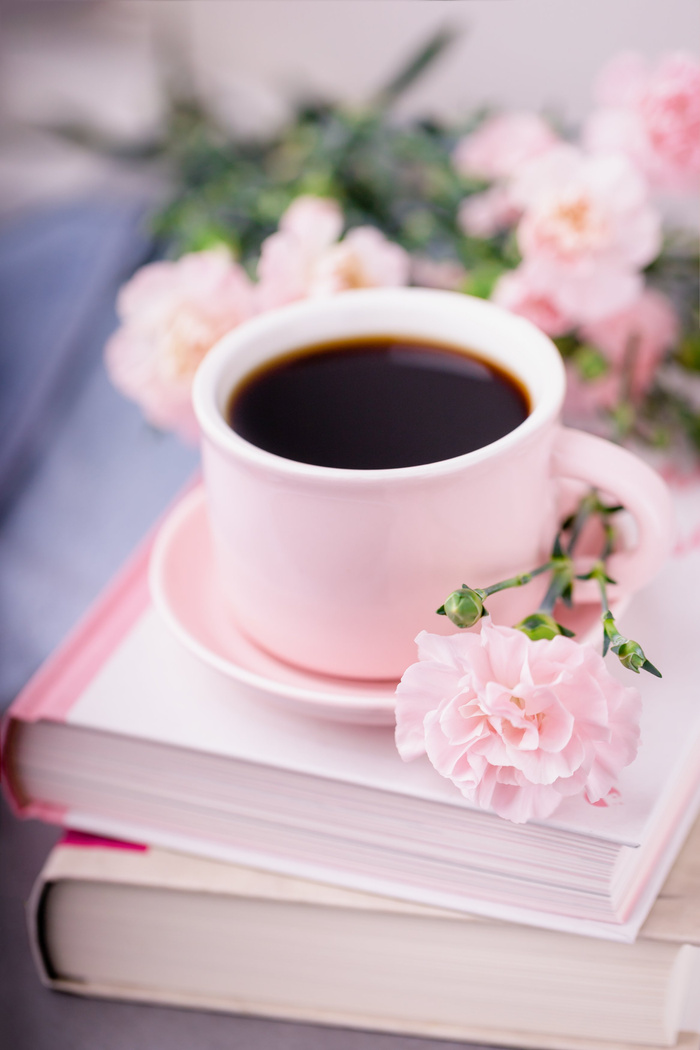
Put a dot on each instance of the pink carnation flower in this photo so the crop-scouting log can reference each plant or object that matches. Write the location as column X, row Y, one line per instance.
column 586, row 231
column 172, row 313
column 635, row 342
column 437, row 273
column 487, row 213
column 304, row 258
column 363, row 259
column 517, row 725
column 515, row 292
column 653, row 116
column 504, row 142
column 645, row 331
column 288, row 258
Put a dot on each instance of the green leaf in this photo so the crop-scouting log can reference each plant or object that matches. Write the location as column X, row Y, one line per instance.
column 482, row 278
column 624, row 417
column 567, row 345
column 590, row 363
column 689, row 352
column 416, row 66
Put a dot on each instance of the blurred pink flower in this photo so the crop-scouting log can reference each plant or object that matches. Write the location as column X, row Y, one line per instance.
column 288, row 258
column 304, row 258
column 646, row 330
column 653, row 116
column 487, row 213
column 515, row 292
column 437, row 273
column 517, row 725
column 501, row 144
column 587, row 229
column 635, row 342
column 171, row 315
column 363, row 259
column 316, row 222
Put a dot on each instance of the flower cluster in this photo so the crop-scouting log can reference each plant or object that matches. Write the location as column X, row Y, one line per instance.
column 653, row 116
column 566, row 233
column 172, row 313
column 586, row 227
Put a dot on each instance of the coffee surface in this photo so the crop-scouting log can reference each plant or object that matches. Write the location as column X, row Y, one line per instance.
column 375, row 404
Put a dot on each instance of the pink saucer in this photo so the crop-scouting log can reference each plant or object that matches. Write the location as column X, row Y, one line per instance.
column 184, row 590
column 183, row 587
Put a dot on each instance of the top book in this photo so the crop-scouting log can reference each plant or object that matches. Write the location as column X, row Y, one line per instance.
column 127, row 734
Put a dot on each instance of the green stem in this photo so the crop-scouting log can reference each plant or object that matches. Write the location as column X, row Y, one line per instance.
column 611, row 635
column 588, row 505
column 630, row 357
column 416, row 65
column 609, row 540
column 554, row 592
column 518, row 581
column 598, row 573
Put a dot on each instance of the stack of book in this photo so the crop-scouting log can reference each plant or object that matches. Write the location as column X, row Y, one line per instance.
column 231, row 852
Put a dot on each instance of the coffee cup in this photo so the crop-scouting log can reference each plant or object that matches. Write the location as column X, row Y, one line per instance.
column 336, row 569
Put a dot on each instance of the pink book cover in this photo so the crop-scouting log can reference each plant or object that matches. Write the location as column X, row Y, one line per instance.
column 53, row 690
column 83, row 840
column 55, row 687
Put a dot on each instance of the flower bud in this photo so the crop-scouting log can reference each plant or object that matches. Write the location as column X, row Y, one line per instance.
column 631, row 655
column 464, row 607
column 541, row 625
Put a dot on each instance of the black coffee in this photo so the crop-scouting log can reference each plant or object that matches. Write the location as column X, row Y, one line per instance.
column 376, row 403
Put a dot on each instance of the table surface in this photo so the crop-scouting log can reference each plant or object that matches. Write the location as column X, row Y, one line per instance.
column 82, row 478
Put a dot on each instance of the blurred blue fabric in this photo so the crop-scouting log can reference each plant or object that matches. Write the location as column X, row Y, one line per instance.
column 82, row 476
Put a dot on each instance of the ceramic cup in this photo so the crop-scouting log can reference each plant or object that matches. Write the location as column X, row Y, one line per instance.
column 338, row 570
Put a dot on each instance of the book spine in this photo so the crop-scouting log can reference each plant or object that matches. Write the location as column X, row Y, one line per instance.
column 36, row 929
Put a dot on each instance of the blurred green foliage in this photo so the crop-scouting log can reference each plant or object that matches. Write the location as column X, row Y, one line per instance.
column 394, row 175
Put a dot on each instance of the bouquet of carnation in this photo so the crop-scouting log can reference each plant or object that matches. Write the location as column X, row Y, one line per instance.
column 564, row 229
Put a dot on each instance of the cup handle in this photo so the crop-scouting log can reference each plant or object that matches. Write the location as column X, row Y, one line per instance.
column 630, row 481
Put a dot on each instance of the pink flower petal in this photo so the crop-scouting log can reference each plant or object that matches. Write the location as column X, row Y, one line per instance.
column 172, row 313
column 517, row 725
column 587, row 229
column 652, row 116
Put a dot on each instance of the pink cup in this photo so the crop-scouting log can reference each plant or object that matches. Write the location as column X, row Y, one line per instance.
column 336, row 570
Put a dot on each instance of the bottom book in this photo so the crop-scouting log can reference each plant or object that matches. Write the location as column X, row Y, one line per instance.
column 126, row 922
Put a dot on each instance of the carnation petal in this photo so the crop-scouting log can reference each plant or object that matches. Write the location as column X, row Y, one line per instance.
column 316, row 222
column 517, row 725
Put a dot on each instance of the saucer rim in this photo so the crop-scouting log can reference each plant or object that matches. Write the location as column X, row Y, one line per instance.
column 166, row 537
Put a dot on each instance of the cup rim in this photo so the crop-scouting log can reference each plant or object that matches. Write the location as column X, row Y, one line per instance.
column 216, row 429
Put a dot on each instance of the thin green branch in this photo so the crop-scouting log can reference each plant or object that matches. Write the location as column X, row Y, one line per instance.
column 416, row 66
